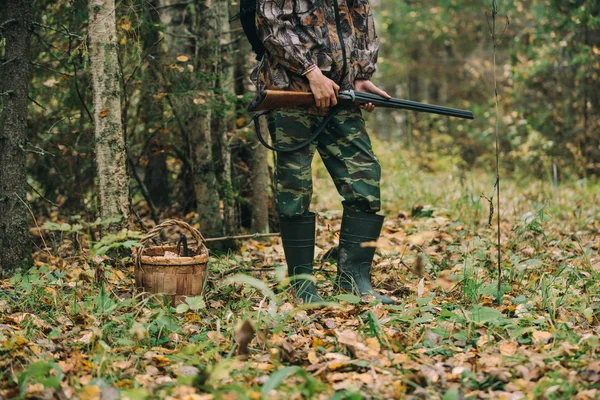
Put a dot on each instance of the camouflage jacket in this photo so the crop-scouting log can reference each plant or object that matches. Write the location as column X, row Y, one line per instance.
column 299, row 34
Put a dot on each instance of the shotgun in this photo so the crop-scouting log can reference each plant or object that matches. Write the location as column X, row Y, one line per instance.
column 272, row 99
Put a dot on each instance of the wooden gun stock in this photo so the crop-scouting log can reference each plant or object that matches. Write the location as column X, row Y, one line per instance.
column 271, row 99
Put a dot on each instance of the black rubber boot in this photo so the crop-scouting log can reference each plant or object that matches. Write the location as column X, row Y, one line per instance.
column 354, row 262
column 298, row 237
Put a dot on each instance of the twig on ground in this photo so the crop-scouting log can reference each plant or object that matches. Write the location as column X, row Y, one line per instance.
column 251, row 236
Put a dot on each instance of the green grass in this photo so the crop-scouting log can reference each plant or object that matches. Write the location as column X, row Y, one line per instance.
column 62, row 332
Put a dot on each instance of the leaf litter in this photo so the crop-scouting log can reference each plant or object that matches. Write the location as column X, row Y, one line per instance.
column 64, row 334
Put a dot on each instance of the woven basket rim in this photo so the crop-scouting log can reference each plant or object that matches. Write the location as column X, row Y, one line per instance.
column 200, row 258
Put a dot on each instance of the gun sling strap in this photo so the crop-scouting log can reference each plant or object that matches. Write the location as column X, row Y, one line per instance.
column 299, row 146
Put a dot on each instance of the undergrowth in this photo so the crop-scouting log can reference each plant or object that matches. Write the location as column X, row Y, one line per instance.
column 75, row 326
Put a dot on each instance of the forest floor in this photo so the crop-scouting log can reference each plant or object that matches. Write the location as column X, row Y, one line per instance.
column 65, row 335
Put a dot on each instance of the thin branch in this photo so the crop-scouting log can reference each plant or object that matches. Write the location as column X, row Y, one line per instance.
column 182, row 3
column 63, row 31
column 495, row 42
column 35, row 221
column 42, row 197
column 180, row 36
column 49, row 69
column 8, row 61
column 137, row 215
column 143, row 190
column 252, row 236
column 142, row 60
column 37, row 104
column 80, row 96
column 8, row 21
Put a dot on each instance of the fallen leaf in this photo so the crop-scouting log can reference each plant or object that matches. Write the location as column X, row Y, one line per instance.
column 508, row 348
column 243, row 336
column 90, row 393
column 541, row 337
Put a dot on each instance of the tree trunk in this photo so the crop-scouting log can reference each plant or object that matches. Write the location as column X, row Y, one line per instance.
column 258, row 155
column 224, row 118
column 15, row 244
column 259, row 179
column 199, row 127
column 111, row 167
column 156, row 176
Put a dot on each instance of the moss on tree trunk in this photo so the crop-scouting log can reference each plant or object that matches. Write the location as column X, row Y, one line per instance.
column 111, row 158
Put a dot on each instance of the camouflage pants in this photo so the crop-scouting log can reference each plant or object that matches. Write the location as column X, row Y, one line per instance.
column 345, row 149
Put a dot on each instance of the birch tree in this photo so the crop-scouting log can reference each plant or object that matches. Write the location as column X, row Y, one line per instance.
column 15, row 244
column 111, row 170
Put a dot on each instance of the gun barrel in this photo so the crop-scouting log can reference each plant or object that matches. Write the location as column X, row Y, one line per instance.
column 379, row 101
column 271, row 99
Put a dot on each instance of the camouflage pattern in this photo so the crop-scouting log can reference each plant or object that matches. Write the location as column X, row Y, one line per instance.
column 300, row 33
column 345, row 149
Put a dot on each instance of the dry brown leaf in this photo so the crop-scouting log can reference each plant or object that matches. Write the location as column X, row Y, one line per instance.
column 349, row 337
column 508, row 348
column 541, row 337
column 490, row 360
column 418, row 239
column 421, row 288
column 587, row 394
column 244, row 334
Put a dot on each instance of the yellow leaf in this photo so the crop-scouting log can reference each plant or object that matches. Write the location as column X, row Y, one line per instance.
column 316, row 342
column 161, row 360
column 254, row 395
column 90, row 393
column 312, row 357
column 125, row 24
column 337, row 365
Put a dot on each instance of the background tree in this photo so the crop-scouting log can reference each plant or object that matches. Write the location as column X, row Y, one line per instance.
column 180, row 114
column 113, row 185
column 15, row 35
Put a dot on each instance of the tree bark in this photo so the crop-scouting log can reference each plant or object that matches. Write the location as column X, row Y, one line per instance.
column 111, row 166
column 15, row 244
column 224, row 118
column 156, row 176
column 259, row 179
column 199, row 127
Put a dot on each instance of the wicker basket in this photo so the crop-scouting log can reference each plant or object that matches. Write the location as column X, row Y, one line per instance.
column 176, row 277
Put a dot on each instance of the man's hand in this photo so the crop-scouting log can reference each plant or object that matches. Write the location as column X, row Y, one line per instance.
column 324, row 89
column 369, row 87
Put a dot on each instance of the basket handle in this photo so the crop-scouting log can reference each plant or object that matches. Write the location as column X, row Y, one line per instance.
column 154, row 232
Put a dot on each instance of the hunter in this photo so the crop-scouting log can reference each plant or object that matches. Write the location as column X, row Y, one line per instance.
column 323, row 46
